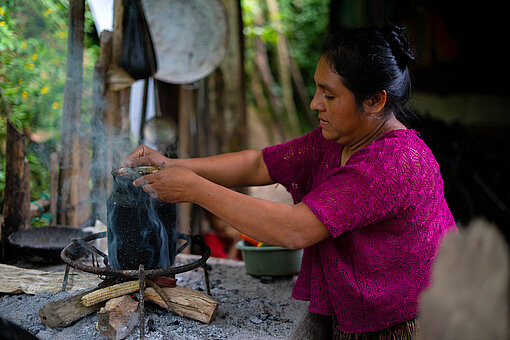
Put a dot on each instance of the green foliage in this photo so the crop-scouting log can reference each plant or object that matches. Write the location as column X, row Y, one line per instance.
column 303, row 22
column 306, row 23
column 33, row 51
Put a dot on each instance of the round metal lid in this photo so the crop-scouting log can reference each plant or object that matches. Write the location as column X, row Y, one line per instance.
column 189, row 36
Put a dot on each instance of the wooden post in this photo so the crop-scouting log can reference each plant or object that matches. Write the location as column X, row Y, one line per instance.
column 118, row 102
column 186, row 111
column 100, row 171
column 69, row 173
column 53, row 187
column 232, row 70
column 83, row 186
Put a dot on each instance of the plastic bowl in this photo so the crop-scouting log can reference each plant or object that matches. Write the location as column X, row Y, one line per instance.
column 270, row 260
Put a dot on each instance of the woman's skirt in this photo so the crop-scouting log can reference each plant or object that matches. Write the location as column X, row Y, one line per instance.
column 405, row 331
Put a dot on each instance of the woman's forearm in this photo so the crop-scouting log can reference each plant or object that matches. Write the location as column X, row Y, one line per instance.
column 279, row 224
column 237, row 169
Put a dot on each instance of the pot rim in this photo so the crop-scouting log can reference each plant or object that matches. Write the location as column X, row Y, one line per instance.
column 240, row 245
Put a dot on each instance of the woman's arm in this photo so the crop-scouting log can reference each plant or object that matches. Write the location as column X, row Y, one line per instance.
column 279, row 224
column 236, row 169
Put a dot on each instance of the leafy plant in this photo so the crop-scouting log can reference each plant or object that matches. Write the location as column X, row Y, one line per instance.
column 304, row 24
column 33, row 52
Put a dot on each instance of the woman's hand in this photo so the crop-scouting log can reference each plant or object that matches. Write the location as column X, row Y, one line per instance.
column 174, row 184
column 143, row 155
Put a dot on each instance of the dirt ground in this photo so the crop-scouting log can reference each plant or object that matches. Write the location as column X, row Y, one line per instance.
column 249, row 308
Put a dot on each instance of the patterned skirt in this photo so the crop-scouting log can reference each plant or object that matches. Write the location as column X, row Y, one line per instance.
column 402, row 331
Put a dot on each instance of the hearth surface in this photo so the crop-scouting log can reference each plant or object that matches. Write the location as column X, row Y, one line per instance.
column 249, row 308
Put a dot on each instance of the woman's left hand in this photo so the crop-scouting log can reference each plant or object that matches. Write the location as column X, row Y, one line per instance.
column 173, row 184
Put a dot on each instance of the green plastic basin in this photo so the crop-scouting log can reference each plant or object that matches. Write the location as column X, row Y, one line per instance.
column 270, row 260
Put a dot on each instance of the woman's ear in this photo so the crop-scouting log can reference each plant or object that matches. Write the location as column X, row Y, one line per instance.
column 375, row 104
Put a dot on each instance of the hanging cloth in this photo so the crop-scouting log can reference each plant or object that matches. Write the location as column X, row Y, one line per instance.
column 138, row 55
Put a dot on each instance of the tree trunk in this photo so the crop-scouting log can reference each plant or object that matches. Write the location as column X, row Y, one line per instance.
column 301, row 90
column 284, row 70
column 263, row 109
column 16, row 211
column 69, row 174
column 262, row 63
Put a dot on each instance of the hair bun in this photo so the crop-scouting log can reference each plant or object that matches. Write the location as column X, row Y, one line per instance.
column 399, row 44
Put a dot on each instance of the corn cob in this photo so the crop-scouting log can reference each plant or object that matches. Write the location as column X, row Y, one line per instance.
column 110, row 292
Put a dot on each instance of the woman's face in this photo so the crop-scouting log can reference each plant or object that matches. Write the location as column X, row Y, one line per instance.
column 336, row 106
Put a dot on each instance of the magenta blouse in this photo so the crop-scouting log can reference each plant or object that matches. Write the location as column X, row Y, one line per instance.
column 386, row 213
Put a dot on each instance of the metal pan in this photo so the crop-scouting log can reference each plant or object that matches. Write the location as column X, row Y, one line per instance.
column 44, row 244
column 190, row 37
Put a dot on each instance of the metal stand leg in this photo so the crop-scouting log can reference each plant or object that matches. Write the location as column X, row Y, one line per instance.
column 66, row 277
column 141, row 303
column 206, row 275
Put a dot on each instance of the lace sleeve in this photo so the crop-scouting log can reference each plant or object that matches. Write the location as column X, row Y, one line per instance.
column 292, row 163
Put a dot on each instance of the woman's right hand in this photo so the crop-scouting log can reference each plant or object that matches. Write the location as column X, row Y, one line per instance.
column 144, row 155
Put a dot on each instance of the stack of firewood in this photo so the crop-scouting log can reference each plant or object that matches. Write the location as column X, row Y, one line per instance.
column 119, row 309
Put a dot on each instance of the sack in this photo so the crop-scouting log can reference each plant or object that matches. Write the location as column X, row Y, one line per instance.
column 138, row 55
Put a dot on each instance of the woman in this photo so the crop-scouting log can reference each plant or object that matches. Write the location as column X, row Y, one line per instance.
column 369, row 208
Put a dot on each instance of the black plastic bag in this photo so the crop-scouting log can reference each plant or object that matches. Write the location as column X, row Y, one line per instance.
column 138, row 55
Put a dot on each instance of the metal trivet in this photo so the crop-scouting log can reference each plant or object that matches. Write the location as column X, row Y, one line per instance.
column 139, row 274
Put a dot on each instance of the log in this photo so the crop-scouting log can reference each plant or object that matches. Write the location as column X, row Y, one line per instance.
column 63, row 312
column 185, row 302
column 118, row 317
column 17, row 280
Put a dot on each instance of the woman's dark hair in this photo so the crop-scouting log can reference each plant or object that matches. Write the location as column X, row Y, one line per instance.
column 373, row 59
